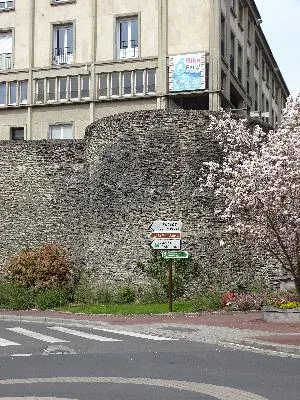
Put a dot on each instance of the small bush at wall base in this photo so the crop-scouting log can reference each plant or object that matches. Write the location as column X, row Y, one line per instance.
column 45, row 267
column 208, row 302
column 51, row 298
column 125, row 295
column 15, row 297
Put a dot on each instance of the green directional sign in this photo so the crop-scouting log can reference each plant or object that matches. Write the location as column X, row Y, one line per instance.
column 175, row 254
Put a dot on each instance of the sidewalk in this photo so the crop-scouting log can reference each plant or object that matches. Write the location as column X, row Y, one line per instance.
column 245, row 329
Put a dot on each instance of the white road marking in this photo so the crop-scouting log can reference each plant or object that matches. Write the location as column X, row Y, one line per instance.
column 4, row 342
column 36, row 335
column 134, row 334
column 21, row 355
column 84, row 334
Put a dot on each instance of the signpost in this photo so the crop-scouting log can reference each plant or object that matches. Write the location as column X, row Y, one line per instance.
column 166, row 235
column 175, row 254
column 165, row 244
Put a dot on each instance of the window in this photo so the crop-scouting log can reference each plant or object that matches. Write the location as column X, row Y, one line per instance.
column 2, row 93
column 128, row 41
column 232, row 5
column 62, row 88
column 267, row 106
column 126, row 83
column 23, row 88
column 267, row 76
column 74, row 92
column 85, row 86
column 256, row 60
column 6, row 4
column 12, row 95
column 51, row 84
column 115, row 84
column 17, row 133
column 263, row 69
column 256, row 96
column 223, row 35
column 64, row 131
column 39, row 90
column 139, row 82
column 151, row 77
column 63, row 44
column 5, row 50
column 240, row 62
column 241, row 15
column 273, row 88
column 262, row 102
column 232, row 51
column 56, row 2
column 102, row 91
column 249, row 33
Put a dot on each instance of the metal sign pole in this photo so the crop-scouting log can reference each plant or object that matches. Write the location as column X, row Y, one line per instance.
column 170, row 263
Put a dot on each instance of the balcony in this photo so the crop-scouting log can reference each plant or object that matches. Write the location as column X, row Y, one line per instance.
column 129, row 49
column 5, row 61
column 62, row 55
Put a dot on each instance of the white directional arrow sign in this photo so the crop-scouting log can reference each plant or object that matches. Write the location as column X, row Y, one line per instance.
column 166, row 244
column 165, row 226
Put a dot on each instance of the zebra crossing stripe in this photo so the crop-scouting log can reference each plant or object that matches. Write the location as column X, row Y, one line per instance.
column 84, row 334
column 134, row 334
column 4, row 343
column 36, row 335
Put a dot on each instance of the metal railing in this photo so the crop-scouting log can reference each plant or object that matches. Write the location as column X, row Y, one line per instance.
column 5, row 61
column 129, row 49
column 62, row 55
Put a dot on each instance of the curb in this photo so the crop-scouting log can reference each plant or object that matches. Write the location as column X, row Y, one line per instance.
column 282, row 348
column 32, row 318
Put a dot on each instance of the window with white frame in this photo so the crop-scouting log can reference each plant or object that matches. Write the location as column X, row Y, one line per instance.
column 126, row 83
column 6, row 44
column 73, row 83
column 12, row 93
column 23, row 92
column 17, row 133
column 62, row 131
column 139, row 82
column 103, row 85
column 39, row 90
column 6, row 4
column 62, row 89
column 128, row 37
column 85, row 86
column 151, row 81
column 115, row 84
column 63, row 46
column 2, row 93
column 51, row 84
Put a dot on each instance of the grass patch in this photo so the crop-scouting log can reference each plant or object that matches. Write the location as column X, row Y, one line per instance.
column 129, row 309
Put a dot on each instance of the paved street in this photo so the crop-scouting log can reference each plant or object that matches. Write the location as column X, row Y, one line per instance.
column 142, row 357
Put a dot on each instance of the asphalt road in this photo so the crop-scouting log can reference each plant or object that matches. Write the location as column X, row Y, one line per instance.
column 56, row 361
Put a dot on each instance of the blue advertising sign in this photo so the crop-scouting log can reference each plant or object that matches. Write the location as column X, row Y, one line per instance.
column 187, row 72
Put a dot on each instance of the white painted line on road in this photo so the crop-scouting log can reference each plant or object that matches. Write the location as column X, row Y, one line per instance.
column 21, row 355
column 134, row 334
column 84, row 334
column 36, row 335
column 4, row 343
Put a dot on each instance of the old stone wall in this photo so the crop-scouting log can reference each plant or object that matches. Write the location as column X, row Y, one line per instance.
column 41, row 195
column 98, row 196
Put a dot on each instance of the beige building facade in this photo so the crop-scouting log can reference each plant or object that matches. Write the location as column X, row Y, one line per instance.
column 66, row 63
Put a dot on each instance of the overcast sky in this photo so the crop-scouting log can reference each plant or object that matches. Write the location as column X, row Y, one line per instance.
column 281, row 26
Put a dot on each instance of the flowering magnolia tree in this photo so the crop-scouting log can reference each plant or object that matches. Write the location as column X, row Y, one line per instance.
column 258, row 185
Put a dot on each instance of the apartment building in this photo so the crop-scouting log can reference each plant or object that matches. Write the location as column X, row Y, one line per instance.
column 66, row 63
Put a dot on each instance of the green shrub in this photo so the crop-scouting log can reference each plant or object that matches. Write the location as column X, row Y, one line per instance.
column 45, row 267
column 150, row 294
column 125, row 295
column 104, row 295
column 208, row 302
column 185, row 272
column 289, row 305
column 51, row 298
column 15, row 297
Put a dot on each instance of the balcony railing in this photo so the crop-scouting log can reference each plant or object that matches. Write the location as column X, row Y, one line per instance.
column 129, row 49
column 62, row 55
column 5, row 61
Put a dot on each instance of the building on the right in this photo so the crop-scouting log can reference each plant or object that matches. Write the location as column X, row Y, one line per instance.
column 249, row 75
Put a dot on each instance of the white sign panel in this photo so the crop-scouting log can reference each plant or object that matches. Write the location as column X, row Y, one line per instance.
column 166, row 244
column 165, row 226
column 187, row 72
